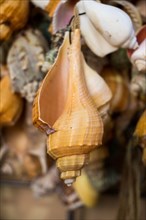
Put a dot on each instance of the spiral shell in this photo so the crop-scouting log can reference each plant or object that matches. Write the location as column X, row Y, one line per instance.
column 79, row 129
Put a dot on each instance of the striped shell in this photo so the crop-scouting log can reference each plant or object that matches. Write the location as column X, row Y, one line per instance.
column 79, row 129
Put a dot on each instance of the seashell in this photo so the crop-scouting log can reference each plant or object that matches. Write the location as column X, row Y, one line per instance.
column 105, row 35
column 25, row 59
column 131, row 10
column 13, row 16
column 98, row 89
column 42, row 4
column 11, row 104
column 63, row 14
column 75, row 137
column 55, row 83
column 138, row 56
column 119, row 88
column 140, row 130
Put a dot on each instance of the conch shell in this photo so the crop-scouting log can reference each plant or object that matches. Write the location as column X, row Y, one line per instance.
column 104, row 23
column 13, row 16
column 10, row 103
column 138, row 56
column 79, row 129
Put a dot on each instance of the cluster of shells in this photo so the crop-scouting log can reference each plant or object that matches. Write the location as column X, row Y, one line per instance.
column 76, row 88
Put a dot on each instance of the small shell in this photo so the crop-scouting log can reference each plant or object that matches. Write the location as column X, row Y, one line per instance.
column 63, row 14
column 10, row 103
column 105, row 30
column 79, row 129
column 13, row 16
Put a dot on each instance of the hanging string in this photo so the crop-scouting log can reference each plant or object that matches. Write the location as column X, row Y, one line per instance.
column 69, row 25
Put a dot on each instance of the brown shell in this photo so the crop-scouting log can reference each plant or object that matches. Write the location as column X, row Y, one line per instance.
column 79, row 129
column 140, row 130
column 119, row 88
column 13, row 16
column 10, row 103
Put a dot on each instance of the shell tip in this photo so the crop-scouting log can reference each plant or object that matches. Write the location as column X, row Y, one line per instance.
column 69, row 182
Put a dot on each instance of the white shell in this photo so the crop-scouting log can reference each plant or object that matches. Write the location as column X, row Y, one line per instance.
column 97, row 87
column 138, row 57
column 40, row 3
column 104, row 24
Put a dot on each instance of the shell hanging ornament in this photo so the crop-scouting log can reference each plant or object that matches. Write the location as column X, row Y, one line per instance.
column 77, row 126
column 79, row 129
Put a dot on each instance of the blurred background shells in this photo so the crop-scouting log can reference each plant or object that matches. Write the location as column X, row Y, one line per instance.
column 13, row 16
column 37, row 59
column 11, row 104
column 29, row 49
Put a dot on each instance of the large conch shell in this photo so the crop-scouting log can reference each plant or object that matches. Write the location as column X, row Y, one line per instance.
column 138, row 56
column 10, row 103
column 79, row 129
column 13, row 16
column 104, row 23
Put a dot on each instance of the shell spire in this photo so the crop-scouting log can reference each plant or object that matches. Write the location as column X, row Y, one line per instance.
column 79, row 129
